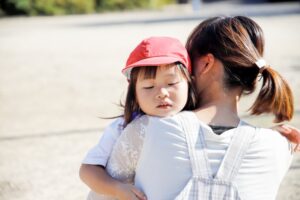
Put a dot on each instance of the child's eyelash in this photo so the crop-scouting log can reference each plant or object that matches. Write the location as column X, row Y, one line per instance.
column 173, row 83
column 149, row 87
column 169, row 84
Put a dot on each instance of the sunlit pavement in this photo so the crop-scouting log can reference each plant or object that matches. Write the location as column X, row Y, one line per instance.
column 58, row 75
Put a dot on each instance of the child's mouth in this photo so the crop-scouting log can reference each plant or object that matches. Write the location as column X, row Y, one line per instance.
column 164, row 105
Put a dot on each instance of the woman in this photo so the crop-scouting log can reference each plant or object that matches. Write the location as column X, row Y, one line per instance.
column 227, row 60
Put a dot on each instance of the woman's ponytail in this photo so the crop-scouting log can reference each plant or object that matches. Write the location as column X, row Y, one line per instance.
column 274, row 97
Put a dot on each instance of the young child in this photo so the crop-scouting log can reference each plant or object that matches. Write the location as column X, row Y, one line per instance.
column 159, row 85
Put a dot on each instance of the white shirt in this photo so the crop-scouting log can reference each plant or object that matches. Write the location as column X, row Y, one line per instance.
column 161, row 166
column 100, row 153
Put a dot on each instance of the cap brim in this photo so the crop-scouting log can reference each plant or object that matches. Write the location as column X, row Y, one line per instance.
column 154, row 61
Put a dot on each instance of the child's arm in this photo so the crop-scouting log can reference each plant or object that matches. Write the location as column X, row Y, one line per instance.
column 100, row 182
column 291, row 133
column 99, row 154
column 93, row 173
column 126, row 152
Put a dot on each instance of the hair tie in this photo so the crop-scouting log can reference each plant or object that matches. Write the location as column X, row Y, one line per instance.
column 261, row 64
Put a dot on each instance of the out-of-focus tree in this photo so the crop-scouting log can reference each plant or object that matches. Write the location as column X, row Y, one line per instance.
column 104, row 5
column 17, row 7
column 47, row 7
column 60, row 7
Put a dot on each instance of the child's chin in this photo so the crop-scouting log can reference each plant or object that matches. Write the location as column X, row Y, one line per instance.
column 167, row 114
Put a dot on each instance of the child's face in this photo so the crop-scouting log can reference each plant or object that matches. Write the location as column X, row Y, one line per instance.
column 164, row 95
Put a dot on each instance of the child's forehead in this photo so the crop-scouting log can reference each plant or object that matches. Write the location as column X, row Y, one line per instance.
column 167, row 67
column 166, row 70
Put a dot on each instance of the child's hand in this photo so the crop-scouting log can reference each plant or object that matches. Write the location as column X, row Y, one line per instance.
column 128, row 191
column 291, row 133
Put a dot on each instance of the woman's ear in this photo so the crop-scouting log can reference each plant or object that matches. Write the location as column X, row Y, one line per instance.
column 209, row 60
column 205, row 63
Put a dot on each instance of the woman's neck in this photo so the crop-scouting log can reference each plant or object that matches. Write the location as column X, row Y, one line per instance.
column 219, row 110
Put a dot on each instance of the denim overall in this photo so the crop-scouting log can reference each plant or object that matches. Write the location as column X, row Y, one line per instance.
column 203, row 185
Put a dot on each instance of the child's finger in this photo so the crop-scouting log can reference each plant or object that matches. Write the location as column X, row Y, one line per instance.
column 285, row 128
column 295, row 136
column 290, row 132
column 297, row 148
column 140, row 195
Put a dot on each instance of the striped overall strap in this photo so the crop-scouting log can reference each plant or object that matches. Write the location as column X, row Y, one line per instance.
column 235, row 153
column 196, row 145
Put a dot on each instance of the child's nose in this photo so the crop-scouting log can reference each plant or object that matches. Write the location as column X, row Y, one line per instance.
column 163, row 93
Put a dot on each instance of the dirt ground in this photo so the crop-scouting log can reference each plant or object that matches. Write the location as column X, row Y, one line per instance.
column 58, row 75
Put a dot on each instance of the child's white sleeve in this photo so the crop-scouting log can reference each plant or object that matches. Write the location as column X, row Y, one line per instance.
column 99, row 154
column 126, row 152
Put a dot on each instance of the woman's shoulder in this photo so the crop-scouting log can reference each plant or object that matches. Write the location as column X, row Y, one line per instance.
column 265, row 133
column 171, row 120
column 268, row 140
column 268, row 135
column 154, row 122
column 271, row 150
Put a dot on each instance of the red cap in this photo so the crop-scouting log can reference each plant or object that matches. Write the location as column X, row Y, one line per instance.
column 156, row 51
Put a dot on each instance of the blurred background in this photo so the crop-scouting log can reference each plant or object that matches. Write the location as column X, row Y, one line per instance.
column 60, row 71
column 59, row 7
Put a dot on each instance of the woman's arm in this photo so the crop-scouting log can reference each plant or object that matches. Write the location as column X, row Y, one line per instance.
column 100, row 182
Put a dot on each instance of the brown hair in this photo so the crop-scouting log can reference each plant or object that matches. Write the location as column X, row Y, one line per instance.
column 238, row 43
column 255, row 33
column 132, row 108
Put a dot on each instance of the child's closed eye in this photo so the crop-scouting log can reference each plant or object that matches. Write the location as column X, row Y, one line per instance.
column 173, row 83
column 148, row 87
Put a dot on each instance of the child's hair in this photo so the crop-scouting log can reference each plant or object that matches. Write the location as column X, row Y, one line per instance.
column 238, row 43
column 132, row 108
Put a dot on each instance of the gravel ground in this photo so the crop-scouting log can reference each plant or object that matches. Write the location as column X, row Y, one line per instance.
column 58, row 75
